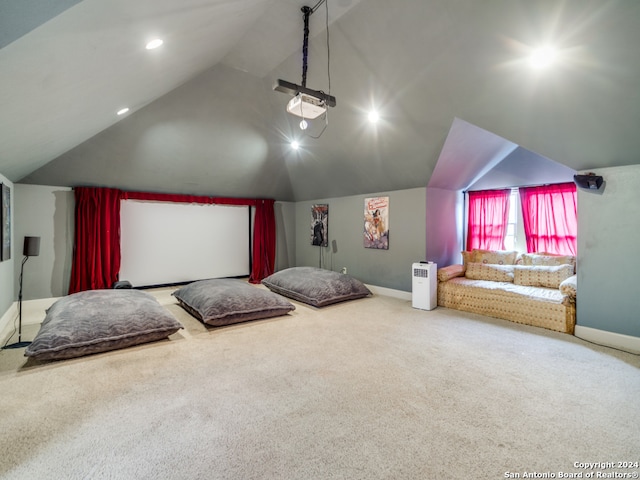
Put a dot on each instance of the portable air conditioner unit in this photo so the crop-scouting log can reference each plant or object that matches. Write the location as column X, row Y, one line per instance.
column 424, row 286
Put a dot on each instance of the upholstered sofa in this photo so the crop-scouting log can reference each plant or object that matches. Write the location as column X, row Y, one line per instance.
column 533, row 289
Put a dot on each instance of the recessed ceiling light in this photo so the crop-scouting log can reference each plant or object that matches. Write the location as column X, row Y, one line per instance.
column 154, row 44
column 303, row 124
column 543, row 57
column 295, row 145
column 122, row 111
column 373, row 116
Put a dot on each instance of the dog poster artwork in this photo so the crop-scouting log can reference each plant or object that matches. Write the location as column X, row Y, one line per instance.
column 320, row 225
column 376, row 223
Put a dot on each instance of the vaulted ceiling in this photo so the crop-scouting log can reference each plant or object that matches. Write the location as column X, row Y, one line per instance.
column 204, row 118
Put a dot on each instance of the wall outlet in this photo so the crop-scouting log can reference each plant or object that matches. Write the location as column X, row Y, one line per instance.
column 344, row 270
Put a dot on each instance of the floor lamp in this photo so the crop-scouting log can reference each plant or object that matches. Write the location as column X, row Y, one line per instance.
column 31, row 249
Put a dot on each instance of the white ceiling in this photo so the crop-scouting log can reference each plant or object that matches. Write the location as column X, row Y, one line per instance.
column 63, row 81
column 205, row 119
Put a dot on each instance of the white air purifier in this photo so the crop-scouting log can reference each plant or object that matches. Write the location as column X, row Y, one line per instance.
column 424, row 286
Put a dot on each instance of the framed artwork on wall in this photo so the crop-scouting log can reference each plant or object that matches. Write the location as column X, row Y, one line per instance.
column 376, row 223
column 320, row 225
column 5, row 201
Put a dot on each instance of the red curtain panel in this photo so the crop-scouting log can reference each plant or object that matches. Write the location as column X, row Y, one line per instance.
column 96, row 255
column 550, row 215
column 488, row 219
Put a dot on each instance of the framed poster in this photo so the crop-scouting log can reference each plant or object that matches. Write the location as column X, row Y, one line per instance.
column 376, row 223
column 5, row 201
column 320, row 225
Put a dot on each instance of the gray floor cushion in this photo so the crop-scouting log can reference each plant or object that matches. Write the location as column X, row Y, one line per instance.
column 223, row 301
column 100, row 320
column 316, row 286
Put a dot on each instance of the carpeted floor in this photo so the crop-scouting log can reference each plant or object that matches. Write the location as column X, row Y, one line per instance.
column 369, row 389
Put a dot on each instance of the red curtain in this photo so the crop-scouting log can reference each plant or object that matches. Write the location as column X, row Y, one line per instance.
column 488, row 218
column 550, row 215
column 96, row 259
column 96, row 256
column 264, row 241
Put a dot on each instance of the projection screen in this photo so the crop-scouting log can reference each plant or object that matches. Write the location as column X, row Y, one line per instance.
column 166, row 243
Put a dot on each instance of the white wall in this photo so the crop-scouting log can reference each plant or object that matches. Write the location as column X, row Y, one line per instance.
column 7, row 279
column 608, row 260
column 48, row 213
column 444, row 229
column 285, row 213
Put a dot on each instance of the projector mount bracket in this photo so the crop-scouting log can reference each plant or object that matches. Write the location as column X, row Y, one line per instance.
column 293, row 89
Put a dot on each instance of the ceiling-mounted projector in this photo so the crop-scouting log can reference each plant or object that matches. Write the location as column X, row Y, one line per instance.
column 306, row 106
column 307, row 103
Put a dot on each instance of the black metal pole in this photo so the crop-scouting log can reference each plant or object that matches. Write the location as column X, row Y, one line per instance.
column 20, row 343
column 307, row 11
column 20, row 301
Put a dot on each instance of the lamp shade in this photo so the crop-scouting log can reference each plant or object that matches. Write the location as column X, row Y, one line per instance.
column 31, row 246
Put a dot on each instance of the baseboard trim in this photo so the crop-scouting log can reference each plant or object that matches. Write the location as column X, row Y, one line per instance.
column 6, row 322
column 390, row 292
column 609, row 339
column 33, row 312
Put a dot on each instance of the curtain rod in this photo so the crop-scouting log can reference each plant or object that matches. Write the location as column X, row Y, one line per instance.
column 517, row 186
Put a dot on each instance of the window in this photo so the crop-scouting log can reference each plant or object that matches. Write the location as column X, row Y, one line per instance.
column 511, row 237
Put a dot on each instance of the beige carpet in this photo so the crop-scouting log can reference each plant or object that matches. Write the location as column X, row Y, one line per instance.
column 370, row 389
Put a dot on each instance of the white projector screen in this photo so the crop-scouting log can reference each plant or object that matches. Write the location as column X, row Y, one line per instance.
column 167, row 243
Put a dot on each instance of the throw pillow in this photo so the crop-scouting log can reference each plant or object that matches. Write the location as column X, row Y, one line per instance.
column 548, row 259
column 449, row 272
column 467, row 256
column 569, row 287
column 541, row 275
column 495, row 257
column 495, row 273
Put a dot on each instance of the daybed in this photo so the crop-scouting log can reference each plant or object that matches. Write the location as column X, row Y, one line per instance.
column 534, row 289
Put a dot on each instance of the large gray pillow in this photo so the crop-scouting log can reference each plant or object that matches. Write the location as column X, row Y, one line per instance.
column 316, row 286
column 100, row 320
column 223, row 301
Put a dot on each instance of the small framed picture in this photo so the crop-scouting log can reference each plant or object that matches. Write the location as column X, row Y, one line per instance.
column 5, row 204
column 376, row 223
column 320, row 225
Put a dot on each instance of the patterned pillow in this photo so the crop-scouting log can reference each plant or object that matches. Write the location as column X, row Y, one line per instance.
column 449, row 272
column 467, row 256
column 495, row 273
column 548, row 259
column 569, row 287
column 495, row 257
column 541, row 275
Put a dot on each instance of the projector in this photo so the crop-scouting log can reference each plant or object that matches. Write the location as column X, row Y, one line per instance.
column 306, row 106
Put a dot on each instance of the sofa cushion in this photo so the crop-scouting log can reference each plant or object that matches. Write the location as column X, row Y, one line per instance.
column 467, row 256
column 495, row 257
column 569, row 287
column 450, row 271
column 548, row 259
column 495, row 273
column 541, row 275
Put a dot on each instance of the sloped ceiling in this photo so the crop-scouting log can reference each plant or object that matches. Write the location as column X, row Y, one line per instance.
column 205, row 119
